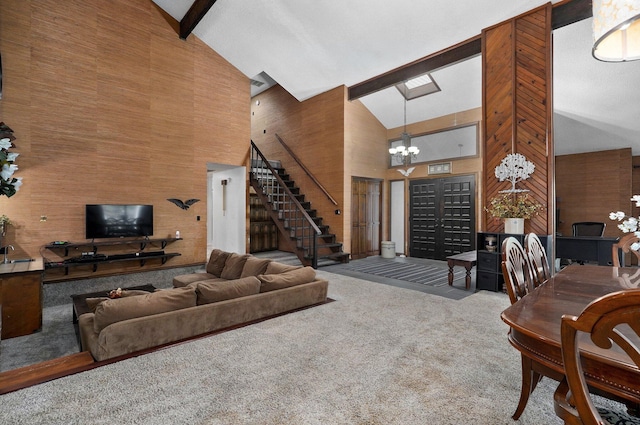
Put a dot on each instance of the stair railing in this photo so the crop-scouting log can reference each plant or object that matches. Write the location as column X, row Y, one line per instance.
column 293, row 216
column 306, row 170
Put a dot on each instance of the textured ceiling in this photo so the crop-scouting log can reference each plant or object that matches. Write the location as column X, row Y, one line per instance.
column 309, row 47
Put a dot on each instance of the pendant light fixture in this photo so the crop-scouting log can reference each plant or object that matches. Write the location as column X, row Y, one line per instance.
column 616, row 30
column 405, row 152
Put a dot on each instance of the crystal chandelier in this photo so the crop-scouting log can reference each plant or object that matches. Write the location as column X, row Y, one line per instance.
column 405, row 152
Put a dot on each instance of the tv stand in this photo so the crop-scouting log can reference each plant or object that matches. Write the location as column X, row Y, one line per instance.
column 94, row 259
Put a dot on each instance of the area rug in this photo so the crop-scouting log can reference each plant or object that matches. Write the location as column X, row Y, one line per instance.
column 424, row 274
column 378, row 355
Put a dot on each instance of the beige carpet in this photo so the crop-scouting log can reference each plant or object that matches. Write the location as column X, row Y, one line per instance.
column 378, row 355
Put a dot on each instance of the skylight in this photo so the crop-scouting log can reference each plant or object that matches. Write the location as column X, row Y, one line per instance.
column 421, row 85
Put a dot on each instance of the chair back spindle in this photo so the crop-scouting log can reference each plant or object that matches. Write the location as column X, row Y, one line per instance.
column 624, row 246
column 516, row 269
column 537, row 258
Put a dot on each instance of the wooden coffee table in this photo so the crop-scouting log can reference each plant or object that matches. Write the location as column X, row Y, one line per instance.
column 80, row 306
column 466, row 259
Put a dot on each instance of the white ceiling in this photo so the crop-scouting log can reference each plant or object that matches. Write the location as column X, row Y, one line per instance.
column 309, row 47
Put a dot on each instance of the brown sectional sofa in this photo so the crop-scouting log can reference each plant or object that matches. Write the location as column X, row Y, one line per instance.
column 235, row 289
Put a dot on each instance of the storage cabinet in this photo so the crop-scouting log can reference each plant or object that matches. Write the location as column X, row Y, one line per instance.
column 489, row 264
column 21, row 298
column 263, row 232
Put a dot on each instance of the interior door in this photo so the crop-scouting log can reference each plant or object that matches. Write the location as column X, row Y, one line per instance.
column 442, row 217
column 366, row 202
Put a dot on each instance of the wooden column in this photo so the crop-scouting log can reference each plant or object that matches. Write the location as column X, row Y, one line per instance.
column 518, row 109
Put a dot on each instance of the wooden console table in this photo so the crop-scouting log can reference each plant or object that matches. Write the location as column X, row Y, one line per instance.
column 465, row 259
column 21, row 297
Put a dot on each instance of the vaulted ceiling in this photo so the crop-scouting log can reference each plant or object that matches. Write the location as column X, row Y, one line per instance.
column 309, row 47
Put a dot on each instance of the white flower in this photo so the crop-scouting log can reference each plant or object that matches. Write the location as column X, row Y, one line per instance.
column 636, row 199
column 617, row 215
column 17, row 183
column 5, row 143
column 635, row 246
column 8, row 170
column 11, row 156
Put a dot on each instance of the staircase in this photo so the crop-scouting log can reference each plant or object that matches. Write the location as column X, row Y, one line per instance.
column 300, row 226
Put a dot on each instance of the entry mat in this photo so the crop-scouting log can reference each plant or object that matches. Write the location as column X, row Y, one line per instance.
column 424, row 274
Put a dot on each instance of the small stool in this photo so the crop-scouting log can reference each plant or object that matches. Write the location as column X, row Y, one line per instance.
column 465, row 259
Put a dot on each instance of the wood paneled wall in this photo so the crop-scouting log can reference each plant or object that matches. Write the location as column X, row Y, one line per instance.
column 517, row 107
column 108, row 105
column 591, row 185
column 334, row 138
column 366, row 156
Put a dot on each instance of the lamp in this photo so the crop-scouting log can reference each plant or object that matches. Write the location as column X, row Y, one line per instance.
column 616, row 30
column 405, row 152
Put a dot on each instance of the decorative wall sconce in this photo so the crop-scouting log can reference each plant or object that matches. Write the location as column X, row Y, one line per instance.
column 616, row 30
column 224, row 195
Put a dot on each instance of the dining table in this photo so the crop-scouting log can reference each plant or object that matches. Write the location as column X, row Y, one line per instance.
column 534, row 323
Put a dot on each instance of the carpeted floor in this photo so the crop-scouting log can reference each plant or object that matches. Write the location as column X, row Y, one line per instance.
column 377, row 355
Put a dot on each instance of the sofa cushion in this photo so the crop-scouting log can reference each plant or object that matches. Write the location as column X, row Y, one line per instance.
column 185, row 279
column 233, row 266
column 216, row 262
column 116, row 310
column 212, row 292
column 92, row 303
column 277, row 268
column 254, row 266
column 297, row 276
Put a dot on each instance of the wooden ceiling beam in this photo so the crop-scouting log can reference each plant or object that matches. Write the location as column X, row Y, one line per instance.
column 563, row 13
column 194, row 15
column 568, row 12
column 450, row 56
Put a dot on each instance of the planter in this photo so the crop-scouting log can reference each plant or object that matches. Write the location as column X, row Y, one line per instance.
column 514, row 226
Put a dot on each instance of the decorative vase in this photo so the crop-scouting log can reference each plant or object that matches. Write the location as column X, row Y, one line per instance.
column 514, row 226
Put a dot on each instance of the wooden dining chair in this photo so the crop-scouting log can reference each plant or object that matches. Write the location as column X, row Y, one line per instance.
column 602, row 319
column 516, row 269
column 537, row 259
column 623, row 246
column 517, row 278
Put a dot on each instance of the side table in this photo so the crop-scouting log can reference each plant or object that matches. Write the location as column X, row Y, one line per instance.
column 465, row 259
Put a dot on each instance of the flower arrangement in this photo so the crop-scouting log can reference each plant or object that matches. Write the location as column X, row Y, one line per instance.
column 629, row 224
column 9, row 185
column 514, row 203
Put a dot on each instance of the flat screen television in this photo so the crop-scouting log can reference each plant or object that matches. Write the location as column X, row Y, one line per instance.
column 118, row 221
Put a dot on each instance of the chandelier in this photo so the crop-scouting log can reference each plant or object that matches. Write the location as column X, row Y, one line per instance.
column 405, row 152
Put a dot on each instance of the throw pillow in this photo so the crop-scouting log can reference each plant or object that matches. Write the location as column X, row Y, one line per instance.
column 216, row 262
column 298, row 276
column 277, row 268
column 212, row 292
column 92, row 303
column 233, row 266
column 254, row 266
column 116, row 310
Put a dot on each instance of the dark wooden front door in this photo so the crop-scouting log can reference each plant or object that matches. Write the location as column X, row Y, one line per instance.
column 442, row 217
column 365, row 217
